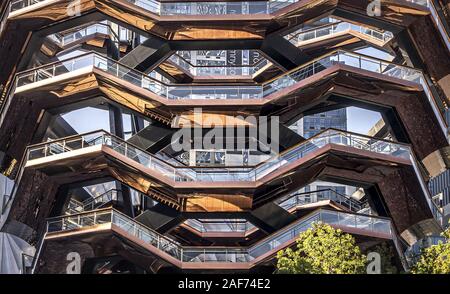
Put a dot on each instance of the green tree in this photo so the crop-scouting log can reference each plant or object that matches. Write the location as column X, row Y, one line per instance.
column 435, row 259
column 322, row 250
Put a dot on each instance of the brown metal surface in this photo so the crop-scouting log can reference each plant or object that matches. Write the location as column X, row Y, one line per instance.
column 388, row 173
column 373, row 89
column 89, row 238
column 314, row 48
column 21, row 25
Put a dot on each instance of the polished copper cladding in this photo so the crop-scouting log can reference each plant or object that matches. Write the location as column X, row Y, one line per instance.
column 399, row 15
column 376, row 90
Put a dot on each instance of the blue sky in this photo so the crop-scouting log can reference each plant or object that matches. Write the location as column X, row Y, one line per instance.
column 361, row 120
column 90, row 119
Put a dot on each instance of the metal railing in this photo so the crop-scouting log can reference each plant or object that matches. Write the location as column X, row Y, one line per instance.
column 233, row 225
column 231, row 8
column 357, row 61
column 93, row 203
column 274, row 242
column 224, row 8
column 66, row 38
column 288, row 202
column 16, row 5
column 137, row 78
column 229, row 92
column 351, row 59
column 74, row 206
column 224, row 226
column 231, row 174
column 192, row 8
column 214, row 174
column 299, row 37
column 102, row 199
column 219, row 70
column 298, row 199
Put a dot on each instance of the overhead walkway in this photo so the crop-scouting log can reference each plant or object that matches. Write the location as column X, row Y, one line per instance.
column 141, row 17
column 210, row 257
column 48, row 152
column 166, row 183
column 234, row 228
column 187, row 8
column 84, row 76
column 200, row 92
column 182, row 96
column 274, row 220
column 342, row 33
column 260, row 8
column 89, row 204
column 51, row 154
column 281, row 212
column 298, row 200
column 293, row 10
column 179, row 68
column 95, row 34
column 336, row 29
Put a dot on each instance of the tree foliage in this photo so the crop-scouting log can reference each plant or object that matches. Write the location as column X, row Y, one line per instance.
column 387, row 256
column 435, row 259
column 322, row 250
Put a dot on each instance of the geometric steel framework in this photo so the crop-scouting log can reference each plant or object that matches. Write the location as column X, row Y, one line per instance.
column 92, row 98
